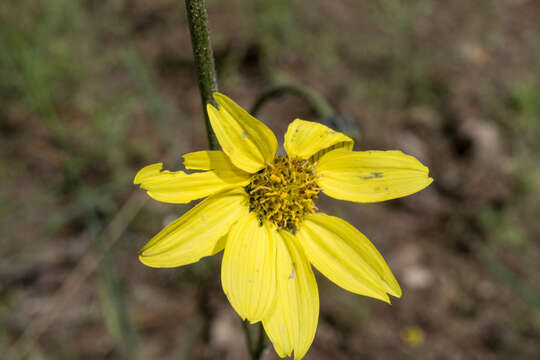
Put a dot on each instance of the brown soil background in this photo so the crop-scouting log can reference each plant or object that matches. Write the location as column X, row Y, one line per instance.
column 91, row 91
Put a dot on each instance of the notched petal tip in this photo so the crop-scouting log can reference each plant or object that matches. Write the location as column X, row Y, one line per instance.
column 147, row 171
column 180, row 188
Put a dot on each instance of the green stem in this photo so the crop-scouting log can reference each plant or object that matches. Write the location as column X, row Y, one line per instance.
column 204, row 60
column 255, row 339
column 317, row 102
column 206, row 77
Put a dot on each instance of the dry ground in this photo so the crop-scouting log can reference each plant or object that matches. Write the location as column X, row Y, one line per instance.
column 91, row 91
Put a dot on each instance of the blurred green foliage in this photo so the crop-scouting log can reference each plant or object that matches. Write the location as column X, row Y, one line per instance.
column 41, row 64
column 525, row 99
column 48, row 68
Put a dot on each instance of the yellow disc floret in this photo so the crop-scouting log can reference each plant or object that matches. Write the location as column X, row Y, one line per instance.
column 284, row 192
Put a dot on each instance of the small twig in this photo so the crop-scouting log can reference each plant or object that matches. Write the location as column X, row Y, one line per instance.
column 317, row 102
column 325, row 112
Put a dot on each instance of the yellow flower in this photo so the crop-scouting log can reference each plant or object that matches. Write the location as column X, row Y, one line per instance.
column 260, row 208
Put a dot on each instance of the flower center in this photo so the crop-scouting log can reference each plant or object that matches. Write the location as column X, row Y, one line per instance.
column 284, row 192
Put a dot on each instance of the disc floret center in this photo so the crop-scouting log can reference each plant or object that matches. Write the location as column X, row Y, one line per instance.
column 284, row 192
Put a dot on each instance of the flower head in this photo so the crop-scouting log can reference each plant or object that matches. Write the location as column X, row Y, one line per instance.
column 260, row 208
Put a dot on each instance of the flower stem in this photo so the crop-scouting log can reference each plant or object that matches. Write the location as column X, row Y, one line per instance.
column 206, row 77
column 204, row 60
column 255, row 339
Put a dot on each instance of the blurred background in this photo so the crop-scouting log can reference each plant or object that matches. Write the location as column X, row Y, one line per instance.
column 91, row 91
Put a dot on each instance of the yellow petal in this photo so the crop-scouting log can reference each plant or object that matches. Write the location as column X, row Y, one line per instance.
column 248, row 274
column 370, row 176
column 209, row 160
column 346, row 257
column 199, row 232
column 180, row 188
column 292, row 322
column 248, row 142
column 305, row 139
